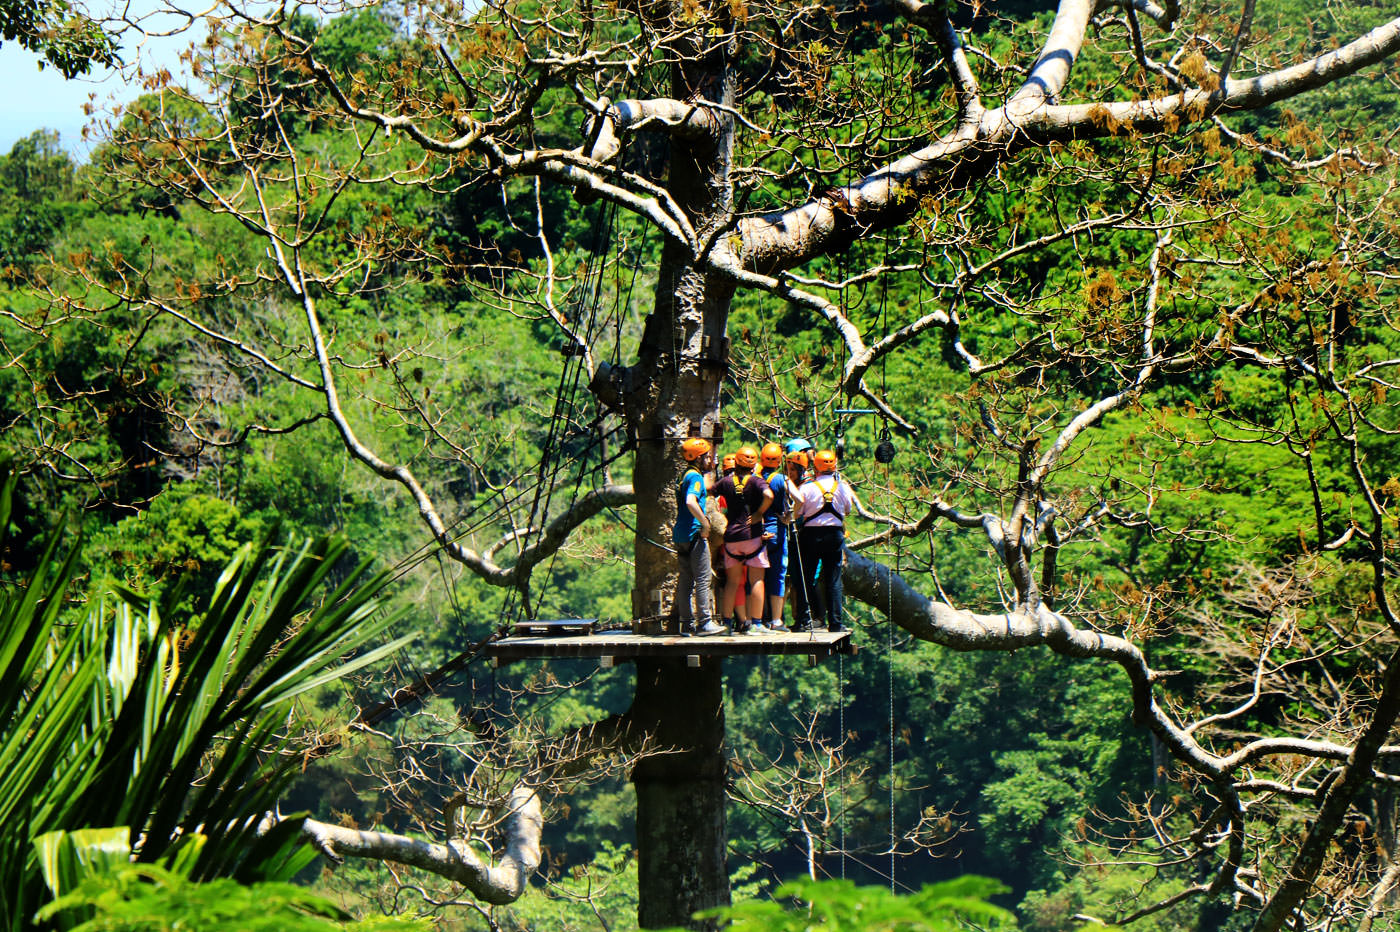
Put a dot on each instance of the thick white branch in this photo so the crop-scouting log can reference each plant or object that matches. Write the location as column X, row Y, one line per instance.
column 1051, row 70
column 890, row 195
column 499, row 883
column 959, row 629
column 693, row 119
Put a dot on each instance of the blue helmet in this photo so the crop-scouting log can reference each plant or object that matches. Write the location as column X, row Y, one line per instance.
column 796, row 445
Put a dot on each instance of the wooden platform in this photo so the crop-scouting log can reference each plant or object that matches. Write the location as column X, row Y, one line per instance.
column 611, row 646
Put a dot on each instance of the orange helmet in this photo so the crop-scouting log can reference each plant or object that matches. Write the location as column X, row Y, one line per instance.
column 798, row 457
column 771, row 456
column 747, row 457
column 825, row 461
column 694, row 448
column 727, row 463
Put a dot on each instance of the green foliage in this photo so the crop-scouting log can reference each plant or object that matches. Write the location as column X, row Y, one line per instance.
column 1106, row 890
column 37, row 199
column 841, row 906
column 114, row 713
column 184, row 539
column 68, row 39
column 146, row 898
column 973, row 734
column 602, row 893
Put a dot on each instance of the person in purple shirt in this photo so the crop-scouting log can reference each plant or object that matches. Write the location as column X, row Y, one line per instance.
column 745, row 498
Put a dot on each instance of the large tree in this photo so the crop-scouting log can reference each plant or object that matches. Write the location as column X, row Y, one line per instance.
column 1087, row 211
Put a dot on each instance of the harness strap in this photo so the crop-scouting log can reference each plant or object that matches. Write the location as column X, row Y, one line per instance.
column 827, row 507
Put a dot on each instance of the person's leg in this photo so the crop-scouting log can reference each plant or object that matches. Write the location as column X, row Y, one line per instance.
column 741, row 601
column 756, row 600
column 685, row 586
column 836, row 620
column 775, row 580
column 700, row 564
column 830, row 586
column 805, row 593
column 733, row 585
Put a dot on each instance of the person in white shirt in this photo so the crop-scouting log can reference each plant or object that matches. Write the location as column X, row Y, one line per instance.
column 822, row 504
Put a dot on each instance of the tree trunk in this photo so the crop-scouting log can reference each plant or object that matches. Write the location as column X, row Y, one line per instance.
column 680, row 788
column 681, row 794
column 673, row 392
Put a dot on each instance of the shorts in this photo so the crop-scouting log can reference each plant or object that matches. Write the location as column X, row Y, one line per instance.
column 745, row 553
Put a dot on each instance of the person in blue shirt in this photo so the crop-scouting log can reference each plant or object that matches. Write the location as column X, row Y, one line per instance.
column 691, row 539
column 776, row 521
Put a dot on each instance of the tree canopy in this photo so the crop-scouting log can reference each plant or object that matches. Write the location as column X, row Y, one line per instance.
column 1116, row 280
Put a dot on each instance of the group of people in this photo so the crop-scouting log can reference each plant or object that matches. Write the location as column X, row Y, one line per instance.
column 784, row 509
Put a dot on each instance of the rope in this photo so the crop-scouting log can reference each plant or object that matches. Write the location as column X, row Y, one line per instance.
column 889, row 683
column 889, row 589
column 594, row 301
column 841, row 726
column 550, row 464
column 416, row 557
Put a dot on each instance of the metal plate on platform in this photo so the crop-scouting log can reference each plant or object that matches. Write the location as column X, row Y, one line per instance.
column 622, row 645
column 555, row 627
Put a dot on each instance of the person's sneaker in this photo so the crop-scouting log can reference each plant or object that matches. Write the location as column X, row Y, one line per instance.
column 836, row 628
column 757, row 627
column 777, row 627
column 711, row 628
column 801, row 627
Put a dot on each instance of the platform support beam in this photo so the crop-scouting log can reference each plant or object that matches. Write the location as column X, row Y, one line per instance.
column 681, row 799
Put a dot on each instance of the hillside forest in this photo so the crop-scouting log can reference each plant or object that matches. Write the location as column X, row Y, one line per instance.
column 374, row 328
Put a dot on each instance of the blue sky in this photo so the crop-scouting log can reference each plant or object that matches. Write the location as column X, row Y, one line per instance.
column 44, row 100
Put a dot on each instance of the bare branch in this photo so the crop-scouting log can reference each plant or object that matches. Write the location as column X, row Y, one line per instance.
column 502, row 882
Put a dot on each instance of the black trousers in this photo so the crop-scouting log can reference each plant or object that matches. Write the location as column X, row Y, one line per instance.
column 820, row 555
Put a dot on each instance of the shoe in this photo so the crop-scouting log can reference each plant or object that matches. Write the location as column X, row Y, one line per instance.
column 711, row 628
column 757, row 628
column 801, row 627
column 777, row 627
column 835, row 628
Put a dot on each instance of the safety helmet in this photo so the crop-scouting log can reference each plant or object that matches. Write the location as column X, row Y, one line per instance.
column 796, row 445
column 727, row 463
column 825, row 461
column 799, row 457
column 694, row 448
column 747, row 457
column 771, row 456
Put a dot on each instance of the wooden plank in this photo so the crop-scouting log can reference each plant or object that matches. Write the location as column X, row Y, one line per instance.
column 622, row 645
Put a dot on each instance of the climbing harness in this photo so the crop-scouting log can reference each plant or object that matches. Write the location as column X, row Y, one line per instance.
column 827, row 508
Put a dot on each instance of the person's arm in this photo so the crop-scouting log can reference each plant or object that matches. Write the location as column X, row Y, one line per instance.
column 757, row 516
column 693, row 504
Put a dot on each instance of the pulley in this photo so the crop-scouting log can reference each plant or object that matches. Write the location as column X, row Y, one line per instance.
column 884, row 450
